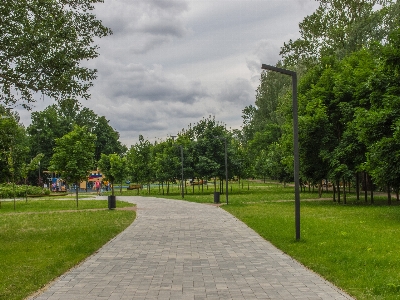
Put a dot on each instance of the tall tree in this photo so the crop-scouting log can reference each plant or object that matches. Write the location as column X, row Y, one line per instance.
column 113, row 167
column 107, row 138
column 58, row 119
column 73, row 156
column 42, row 44
column 14, row 146
column 338, row 27
column 378, row 126
column 140, row 161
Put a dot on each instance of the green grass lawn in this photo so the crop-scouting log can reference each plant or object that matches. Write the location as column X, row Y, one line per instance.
column 42, row 239
column 354, row 246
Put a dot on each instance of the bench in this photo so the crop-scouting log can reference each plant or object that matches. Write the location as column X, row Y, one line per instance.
column 134, row 187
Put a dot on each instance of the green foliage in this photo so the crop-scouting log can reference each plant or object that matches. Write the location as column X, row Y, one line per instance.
column 14, row 148
column 42, row 45
column 73, row 156
column 7, row 190
column 113, row 167
column 347, row 60
column 338, row 27
column 272, row 87
column 59, row 119
column 139, row 161
column 166, row 163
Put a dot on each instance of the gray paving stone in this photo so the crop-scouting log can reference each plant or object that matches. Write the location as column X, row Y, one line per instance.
column 180, row 250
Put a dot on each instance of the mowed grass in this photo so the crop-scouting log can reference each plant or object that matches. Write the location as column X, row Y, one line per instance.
column 355, row 246
column 43, row 239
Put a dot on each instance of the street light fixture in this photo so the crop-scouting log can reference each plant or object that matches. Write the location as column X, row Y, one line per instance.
column 295, row 142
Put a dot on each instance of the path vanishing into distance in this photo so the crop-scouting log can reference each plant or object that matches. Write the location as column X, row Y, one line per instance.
column 182, row 250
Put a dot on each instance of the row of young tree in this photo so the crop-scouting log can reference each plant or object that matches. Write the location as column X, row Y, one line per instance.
column 198, row 152
column 347, row 61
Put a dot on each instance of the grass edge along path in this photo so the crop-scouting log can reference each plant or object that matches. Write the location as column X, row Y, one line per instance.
column 37, row 247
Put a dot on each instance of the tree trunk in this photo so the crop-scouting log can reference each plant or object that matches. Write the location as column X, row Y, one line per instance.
column 13, row 189
column 344, row 192
column 365, row 187
column 338, row 190
column 76, row 192
column 372, row 189
column 320, row 189
column 357, row 187
column 112, row 188
column 334, row 191
column 168, row 187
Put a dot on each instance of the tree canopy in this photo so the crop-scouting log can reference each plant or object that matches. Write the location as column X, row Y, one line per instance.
column 73, row 155
column 42, row 44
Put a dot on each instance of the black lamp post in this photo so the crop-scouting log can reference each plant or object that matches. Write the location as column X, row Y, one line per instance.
column 226, row 167
column 295, row 142
column 38, row 136
column 183, row 189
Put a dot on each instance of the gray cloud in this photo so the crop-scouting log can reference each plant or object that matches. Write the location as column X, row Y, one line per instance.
column 136, row 81
column 239, row 91
column 148, row 23
column 171, row 62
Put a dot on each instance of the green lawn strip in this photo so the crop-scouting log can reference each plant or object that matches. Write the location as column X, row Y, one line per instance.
column 38, row 205
column 38, row 247
column 257, row 192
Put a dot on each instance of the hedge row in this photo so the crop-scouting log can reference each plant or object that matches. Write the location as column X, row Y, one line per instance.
column 7, row 190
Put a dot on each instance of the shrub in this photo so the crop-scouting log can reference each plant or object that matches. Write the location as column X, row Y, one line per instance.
column 7, row 190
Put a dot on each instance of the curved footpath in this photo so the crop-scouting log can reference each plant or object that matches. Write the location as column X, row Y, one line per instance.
column 181, row 250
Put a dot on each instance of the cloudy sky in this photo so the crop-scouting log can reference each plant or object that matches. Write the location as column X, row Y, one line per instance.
column 171, row 62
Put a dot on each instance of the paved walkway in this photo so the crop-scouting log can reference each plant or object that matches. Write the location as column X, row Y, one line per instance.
column 180, row 250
